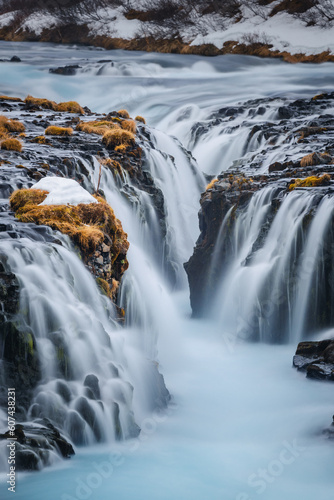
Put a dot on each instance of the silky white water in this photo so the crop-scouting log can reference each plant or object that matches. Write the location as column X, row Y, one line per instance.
column 242, row 423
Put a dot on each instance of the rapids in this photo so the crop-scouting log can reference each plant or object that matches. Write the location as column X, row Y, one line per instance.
column 241, row 423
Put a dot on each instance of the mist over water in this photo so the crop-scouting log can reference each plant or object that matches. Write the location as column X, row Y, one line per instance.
column 242, row 423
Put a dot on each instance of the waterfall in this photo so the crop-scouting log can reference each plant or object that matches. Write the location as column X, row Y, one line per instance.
column 278, row 265
column 85, row 386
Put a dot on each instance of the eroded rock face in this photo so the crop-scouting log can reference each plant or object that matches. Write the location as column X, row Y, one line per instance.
column 229, row 192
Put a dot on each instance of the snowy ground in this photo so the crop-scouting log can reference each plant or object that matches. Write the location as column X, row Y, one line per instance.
column 283, row 31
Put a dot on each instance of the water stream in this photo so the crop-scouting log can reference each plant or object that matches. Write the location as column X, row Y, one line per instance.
column 242, row 424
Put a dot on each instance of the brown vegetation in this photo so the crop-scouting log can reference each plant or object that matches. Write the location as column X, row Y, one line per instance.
column 62, row 107
column 85, row 224
column 129, row 125
column 123, row 113
column 9, row 98
column 96, row 127
column 140, row 119
column 312, row 181
column 11, row 144
column 118, row 137
column 63, row 131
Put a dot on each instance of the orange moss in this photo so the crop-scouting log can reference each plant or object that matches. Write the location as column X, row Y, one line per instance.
column 311, row 181
column 123, row 113
column 118, row 137
column 11, row 144
column 129, row 125
column 140, row 119
column 53, row 130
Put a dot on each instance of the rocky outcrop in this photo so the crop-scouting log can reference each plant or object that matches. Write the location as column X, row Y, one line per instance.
column 230, row 194
column 75, row 156
column 36, row 445
column 316, row 359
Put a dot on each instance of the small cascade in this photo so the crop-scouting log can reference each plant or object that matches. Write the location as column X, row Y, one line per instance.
column 275, row 284
column 85, row 387
column 162, row 227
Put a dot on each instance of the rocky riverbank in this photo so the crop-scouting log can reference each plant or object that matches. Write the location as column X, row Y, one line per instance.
column 294, row 32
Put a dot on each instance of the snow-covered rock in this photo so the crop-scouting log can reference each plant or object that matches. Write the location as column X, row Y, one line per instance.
column 63, row 192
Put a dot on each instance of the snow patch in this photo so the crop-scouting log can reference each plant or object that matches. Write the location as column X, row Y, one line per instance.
column 63, row 192
column 37, row 22
column 283, row 31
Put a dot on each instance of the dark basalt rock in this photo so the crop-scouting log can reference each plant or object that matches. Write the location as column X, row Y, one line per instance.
column 69, row 70
column 35, row 443
column 92, row 382
column 313, row 156
column 20, row 361
column 316, row 359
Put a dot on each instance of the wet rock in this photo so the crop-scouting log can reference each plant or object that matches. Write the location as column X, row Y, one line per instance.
column 92, row 382
column 35, row 443
column 15, row 59
column 87, row 412
column 316, row 359
column 69, row 70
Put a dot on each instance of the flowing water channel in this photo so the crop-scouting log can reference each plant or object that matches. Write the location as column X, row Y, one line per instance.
column 242, row 423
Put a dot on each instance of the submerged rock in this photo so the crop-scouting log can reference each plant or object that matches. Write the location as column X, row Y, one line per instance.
column 37, row 444
column 68, row 70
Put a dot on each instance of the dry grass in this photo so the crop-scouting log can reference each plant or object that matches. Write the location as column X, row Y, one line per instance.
column 85, row 224
column 118, row 137
column 315, row 159
column 122, row 148
column 35, row 102
column 96, row 127
column 11, row 145
column 7, row 125
column 123, row 113
column 63, row 131
column 211, row 184
column 40, row 139
column 129, row 125
column 312, row 181
column 8, row 98
column 23, row 197
column 70, row 107
column 140, row 119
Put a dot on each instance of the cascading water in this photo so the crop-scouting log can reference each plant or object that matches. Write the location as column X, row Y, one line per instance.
column 271, row 276
column 203, row 449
